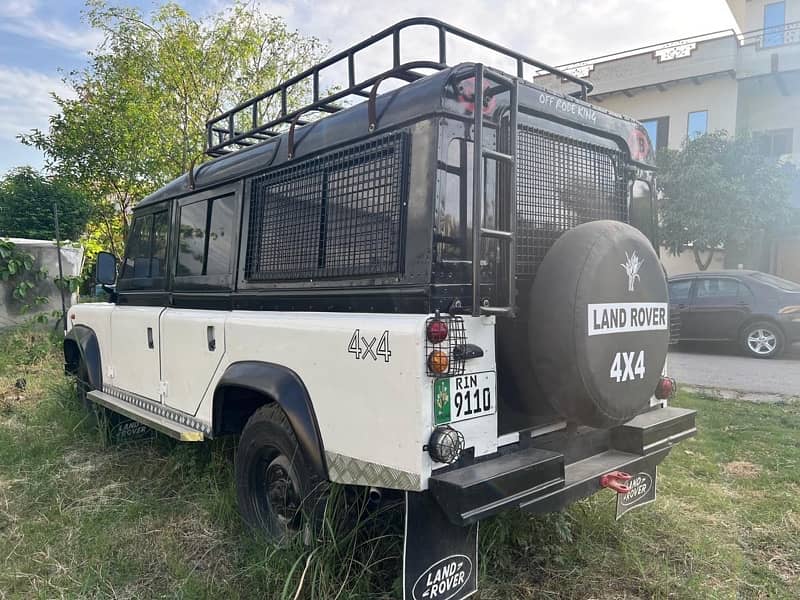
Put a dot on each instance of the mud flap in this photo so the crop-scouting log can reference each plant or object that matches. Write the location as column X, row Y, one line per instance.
column 440, row 560
column 642, row 490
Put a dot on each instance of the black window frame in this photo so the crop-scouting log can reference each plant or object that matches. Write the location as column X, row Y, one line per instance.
column 148, row 284
column 214, row 282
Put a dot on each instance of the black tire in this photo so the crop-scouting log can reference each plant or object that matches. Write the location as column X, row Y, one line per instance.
column 278, row 494
column 82, row 386
column 762, row 339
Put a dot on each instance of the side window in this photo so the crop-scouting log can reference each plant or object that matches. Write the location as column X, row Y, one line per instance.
column 137, row 255
column 206, row 237
column 158, row 262
column 340, row 214
column 220, row 235
column 452, row 234
column 717, row 288
column 679, row 290
column 146, row 251
column 192, row 239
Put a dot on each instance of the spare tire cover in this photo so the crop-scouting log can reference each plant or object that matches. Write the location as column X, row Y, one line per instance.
column 599, row 323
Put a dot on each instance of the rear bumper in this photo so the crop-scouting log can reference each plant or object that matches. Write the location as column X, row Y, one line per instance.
column 552, row 472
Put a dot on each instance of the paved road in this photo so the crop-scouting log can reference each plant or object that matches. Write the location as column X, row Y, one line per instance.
column 724, row 368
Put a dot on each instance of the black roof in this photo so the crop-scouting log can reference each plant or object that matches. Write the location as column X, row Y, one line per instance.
column 423, row 98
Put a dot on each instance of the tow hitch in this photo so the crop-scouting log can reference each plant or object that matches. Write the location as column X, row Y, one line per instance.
column 616, row 481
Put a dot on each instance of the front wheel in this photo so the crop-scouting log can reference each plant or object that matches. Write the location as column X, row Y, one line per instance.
column 277, row 492
column 762, row 340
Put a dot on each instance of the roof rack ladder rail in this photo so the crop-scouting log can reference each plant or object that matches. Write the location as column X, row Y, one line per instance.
column 507, row 236
column 477, row 190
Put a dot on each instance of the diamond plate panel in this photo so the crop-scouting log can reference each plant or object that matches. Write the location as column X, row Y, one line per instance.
column 344, row 469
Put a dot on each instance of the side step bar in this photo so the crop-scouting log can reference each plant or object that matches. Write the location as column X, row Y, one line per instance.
column 164, row 425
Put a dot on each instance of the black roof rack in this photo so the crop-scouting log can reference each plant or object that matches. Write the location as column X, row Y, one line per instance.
column 240, row 127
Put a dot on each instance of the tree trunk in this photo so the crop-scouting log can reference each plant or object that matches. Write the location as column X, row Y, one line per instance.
column 701, row 264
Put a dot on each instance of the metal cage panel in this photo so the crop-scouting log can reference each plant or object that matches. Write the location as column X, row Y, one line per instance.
column 340, row 214
column 562, row 183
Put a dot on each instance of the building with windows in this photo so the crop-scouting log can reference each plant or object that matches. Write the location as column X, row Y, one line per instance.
column 737, row 81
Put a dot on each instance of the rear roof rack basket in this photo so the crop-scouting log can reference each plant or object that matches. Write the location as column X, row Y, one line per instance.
column 223, row 136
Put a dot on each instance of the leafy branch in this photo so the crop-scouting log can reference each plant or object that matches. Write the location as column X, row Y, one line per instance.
column 18, row 268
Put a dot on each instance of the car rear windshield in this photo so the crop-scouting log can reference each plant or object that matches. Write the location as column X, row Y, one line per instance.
column 783, row 284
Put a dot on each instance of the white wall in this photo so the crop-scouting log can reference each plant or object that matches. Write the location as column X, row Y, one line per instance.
column 684, row 262
column 45, row 255
column 717, row 95
column 763, row 106
column 754, row 13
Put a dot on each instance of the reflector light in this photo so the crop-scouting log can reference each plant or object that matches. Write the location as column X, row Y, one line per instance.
column 437, row 331
column 438, row 361
column 665, row 388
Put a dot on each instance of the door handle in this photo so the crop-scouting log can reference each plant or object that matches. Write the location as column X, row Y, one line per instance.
column 150, row 338
column 211, row 338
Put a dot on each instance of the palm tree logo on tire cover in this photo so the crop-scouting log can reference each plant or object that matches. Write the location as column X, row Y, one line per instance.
column 632, row 266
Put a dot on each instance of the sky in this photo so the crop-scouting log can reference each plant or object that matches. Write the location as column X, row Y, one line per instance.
column 41, row 40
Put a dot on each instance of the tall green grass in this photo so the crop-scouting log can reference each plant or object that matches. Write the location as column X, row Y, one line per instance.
column 157, row 519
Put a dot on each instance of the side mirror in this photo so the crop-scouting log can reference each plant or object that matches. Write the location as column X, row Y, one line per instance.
column 105, row 272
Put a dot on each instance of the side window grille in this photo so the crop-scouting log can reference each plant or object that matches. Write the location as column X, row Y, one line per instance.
column 337, row 215
column 562, row 183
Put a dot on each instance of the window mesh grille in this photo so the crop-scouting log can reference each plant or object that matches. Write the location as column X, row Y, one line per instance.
column 336, row 215
column 562, row 183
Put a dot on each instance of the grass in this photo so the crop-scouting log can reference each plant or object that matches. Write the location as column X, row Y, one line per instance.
column 156, row 519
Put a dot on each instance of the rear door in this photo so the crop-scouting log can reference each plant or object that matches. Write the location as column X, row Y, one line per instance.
column 680, row 291
column 193, row 327
column 717, row 309
column 135, row 339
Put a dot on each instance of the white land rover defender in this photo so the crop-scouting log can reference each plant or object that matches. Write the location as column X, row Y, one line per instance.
column 447, row 289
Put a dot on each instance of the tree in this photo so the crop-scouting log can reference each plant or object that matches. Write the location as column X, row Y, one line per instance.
column 140, row 106
column 26, row 207
column 720, row 192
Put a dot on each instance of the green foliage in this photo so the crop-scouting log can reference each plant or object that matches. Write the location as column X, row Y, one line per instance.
column 19, row 269
column 137, row 119
column 26, row 206
column 720, row 191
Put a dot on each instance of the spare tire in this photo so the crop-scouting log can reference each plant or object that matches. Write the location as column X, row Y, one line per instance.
column 598, row 324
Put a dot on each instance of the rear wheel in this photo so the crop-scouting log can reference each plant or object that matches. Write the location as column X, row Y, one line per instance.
column 82, row 386
column 762, row 340
column 277, row 492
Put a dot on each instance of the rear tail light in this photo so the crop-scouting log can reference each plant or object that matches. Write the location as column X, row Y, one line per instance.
column 438, row 362
column 666, row 388
column 437, row 331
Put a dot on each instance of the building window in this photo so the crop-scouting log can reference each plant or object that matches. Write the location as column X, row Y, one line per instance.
column 774, row 22
column 697, row 124
column 658, row 131
column 776, row 142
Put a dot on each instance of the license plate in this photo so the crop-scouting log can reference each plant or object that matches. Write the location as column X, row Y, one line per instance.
column 464, row 397
column 643, row 491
